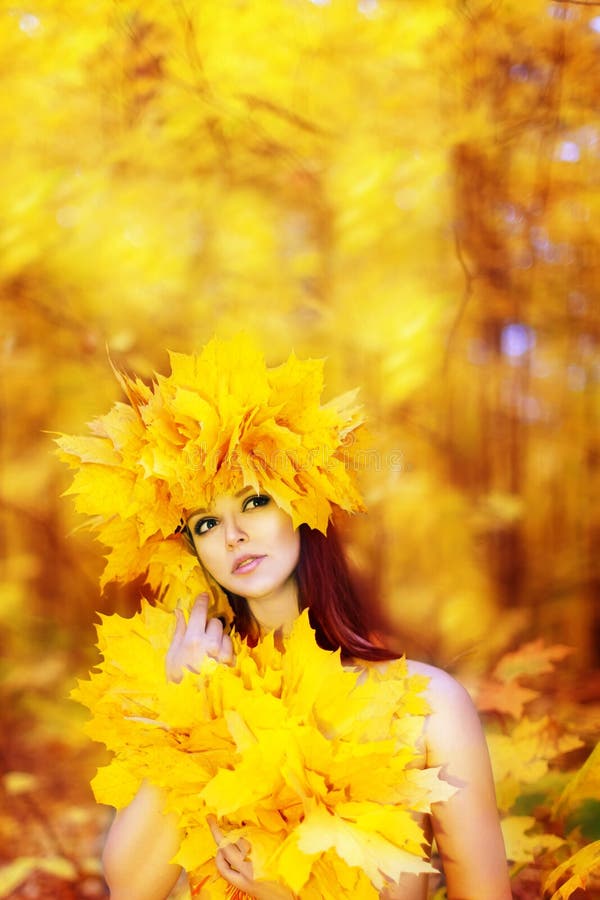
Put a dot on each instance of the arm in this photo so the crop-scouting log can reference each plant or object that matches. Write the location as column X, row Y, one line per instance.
column 139, row 848
column 142, row 840
column 466, row 827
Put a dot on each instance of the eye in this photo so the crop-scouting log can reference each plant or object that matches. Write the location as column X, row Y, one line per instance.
column 204, row 525
column 256, row 501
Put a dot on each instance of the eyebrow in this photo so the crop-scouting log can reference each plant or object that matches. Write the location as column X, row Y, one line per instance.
column 201, row 511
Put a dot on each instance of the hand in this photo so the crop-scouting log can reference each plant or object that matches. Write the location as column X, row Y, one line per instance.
column 193, row 641
column 236, row 869
column 408, row 885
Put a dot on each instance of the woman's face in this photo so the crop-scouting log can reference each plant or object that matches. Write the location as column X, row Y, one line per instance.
column 247, row 543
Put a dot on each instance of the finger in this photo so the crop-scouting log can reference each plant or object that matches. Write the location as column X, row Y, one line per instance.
column 241, row 877
column 173, row 669
column 179, row 628
column 197, row 620
column 235, row 858
column 214, row 637
column 225, row 654
column 243, row 846
column 214, row 829
column 173, row 672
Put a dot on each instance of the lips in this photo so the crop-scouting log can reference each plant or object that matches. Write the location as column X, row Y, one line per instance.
column 246, row 564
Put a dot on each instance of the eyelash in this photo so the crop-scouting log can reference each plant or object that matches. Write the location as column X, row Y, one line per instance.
column 263, row 500
column 198, row 526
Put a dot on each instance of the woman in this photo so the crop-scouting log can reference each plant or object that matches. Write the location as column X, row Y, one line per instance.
column 248, row 540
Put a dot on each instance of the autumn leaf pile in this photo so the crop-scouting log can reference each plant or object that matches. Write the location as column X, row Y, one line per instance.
column 312, row 762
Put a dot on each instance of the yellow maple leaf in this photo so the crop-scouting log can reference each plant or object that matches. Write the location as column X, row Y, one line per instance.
column 523, row 755
column 583, row 785
column 285, row 746
column 364, row 848
column 222, row 419
column 579, row 869
column 524, row 847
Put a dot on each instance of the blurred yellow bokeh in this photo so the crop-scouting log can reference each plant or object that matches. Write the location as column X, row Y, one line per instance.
column 410, row 190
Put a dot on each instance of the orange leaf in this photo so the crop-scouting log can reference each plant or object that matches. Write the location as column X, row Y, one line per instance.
column 530, row 659
column 504, row 697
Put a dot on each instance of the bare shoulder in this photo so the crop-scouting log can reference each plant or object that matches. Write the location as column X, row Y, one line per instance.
column 466, row 827
column 453, row 718
column 442, row 689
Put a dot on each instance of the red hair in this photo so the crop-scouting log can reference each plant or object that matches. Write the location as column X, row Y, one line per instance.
column 325, row 586
column 336, row 610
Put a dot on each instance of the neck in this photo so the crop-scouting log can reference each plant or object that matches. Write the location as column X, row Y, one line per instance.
column 278, row 610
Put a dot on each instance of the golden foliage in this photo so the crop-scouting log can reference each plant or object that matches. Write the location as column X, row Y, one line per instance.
column 522, row 756
column 407, row 189
column 311, row 762
column 502, row 692
column 522, row 847
column 219, row 422
column 583, row 785
column 580, row 868
column 525, row 753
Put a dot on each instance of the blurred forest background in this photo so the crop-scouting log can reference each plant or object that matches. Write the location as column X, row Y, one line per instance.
column 409, row 189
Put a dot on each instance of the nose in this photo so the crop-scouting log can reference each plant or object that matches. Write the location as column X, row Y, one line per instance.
column 234, row 534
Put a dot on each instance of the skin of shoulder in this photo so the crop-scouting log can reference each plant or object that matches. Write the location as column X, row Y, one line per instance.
column 466, row 827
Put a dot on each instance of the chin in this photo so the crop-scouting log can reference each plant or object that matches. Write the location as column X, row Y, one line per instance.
column 256, row 588
column 255, row 592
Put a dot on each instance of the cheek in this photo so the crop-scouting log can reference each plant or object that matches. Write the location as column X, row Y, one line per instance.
column 291, row 541
column 208, row 556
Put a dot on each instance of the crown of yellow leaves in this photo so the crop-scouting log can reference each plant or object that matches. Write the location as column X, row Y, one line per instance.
column 222, row 420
